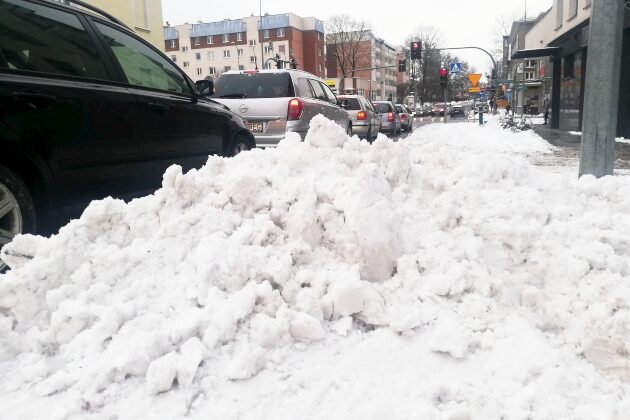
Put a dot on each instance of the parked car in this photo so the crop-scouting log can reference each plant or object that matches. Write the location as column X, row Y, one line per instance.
column 389, row 117
column 274, row 102
column 366, row 120
column 457, row 111
column 88, row 110
column 406, row 120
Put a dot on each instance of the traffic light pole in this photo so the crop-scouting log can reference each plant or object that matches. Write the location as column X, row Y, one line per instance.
column 603, row 69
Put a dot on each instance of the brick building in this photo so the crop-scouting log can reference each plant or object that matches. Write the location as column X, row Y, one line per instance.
column 209, row 49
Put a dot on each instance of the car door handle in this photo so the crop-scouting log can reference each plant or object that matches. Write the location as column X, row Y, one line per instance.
column 158, row 107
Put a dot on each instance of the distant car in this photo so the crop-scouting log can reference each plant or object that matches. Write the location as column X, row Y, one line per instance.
column 366, row 120
column 389, row 117
column 406, row 120
column 438, row 110
column 457, row 111
column 274, row 102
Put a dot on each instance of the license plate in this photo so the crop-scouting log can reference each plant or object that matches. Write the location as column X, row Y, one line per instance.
column 255, row 127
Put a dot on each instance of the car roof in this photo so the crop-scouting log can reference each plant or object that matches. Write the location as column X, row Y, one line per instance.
column 268, row 71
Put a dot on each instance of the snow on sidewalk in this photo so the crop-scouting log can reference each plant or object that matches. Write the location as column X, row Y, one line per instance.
column 442, row 277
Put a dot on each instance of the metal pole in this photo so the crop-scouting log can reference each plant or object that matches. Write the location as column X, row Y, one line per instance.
column 260, row 37
column 601, row 96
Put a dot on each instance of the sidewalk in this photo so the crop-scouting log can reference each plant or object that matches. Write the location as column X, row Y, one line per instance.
column 569, row 145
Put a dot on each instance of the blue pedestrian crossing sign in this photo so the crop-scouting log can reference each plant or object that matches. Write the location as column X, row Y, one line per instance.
column 456, row 67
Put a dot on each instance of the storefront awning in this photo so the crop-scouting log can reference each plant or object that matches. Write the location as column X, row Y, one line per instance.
column 536, row 53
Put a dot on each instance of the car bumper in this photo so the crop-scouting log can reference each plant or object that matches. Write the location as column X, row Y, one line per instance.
column 360, row 130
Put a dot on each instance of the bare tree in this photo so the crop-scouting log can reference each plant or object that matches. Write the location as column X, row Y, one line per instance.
column 424, row 74
column 348, row 44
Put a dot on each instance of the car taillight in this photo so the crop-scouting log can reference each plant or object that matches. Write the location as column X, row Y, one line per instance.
column 390, row 117
column 361, row 115
column 296, row 106
column 403, row 117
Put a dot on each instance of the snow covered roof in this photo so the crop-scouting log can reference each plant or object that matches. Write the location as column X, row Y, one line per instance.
column 275, row 21
column 170, row 33
column 218, row 28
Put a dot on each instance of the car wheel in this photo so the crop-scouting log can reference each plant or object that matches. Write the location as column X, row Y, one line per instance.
column 368, row 135
column 17, row 209
column 240, row 143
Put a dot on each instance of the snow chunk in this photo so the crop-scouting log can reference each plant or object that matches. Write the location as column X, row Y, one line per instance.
column 161, row 373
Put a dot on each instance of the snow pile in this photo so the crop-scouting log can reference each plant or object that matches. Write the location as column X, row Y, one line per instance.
column 447, row 260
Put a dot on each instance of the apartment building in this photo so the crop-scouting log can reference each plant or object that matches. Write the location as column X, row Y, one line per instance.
column 560, row 39
column 211, row 48
column 378, row 84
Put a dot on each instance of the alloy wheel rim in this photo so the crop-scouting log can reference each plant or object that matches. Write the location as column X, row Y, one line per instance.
column 10, row 218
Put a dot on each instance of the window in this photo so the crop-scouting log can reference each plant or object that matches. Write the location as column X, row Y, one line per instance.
column 573, row 8
column 569, row 66
column 252, row 42
column 319, row 36
column 559, row 12
column 239, row 52
column 330, row 97
column 172, row 43
column 185, row 64
column 141, row 14
column 305, row 89
column 212, row 71
column 227, row 68
column 282, row 49
column 280, row 32
column 142, row 65
column 317, row 89
column 321, row 67
column 198, row 56
column 211, row 55
column 61, row 44
column 252, row 59
column 241, row 67
column 268, row 50
column 174, row 58
column 226, row 53
column 239, row 36
column 530, row 64
column 197, row 42
column 319, row 53
column 266, row 33
column 362, row 93
column 199, row 71
column 184, row 49
column 530, row 75
column 209, row 40
column 226, row 38
column 258, row 85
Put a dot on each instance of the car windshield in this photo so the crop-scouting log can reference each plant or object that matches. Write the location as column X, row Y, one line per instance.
column 382, row 106
column 254, row 85
column 352, row 104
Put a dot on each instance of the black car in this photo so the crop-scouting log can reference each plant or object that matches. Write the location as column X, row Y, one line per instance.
column 457, row 111
column 88, row 110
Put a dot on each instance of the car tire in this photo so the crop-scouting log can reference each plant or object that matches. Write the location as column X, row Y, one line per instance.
column 240, row 143
column 17, row 208
column 368, row 135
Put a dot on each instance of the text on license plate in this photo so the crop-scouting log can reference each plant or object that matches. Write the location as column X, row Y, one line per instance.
column 255, row 127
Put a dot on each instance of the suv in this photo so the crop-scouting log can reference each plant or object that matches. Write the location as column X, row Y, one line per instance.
column 274, row 102
column 366, row 120
column 89, row 110
column 390, row 118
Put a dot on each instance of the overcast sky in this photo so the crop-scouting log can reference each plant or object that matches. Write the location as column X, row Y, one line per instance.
column 462, row 22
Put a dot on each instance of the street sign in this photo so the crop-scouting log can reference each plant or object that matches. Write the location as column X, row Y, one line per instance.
column 456, row 67
column 474, row 78
column 474, row 90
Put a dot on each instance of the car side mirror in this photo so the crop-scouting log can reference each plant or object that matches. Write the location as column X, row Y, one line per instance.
column 204, row 87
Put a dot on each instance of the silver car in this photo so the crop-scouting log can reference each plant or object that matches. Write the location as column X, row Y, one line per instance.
column 406, row 120
column 366, row 120
column 274, row 102
column 390, row 118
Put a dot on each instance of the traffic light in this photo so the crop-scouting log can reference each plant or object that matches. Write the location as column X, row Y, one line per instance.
column 292, row 63
column 278, row 62
column 416, row 50
column 443, row 77
column 402, row 65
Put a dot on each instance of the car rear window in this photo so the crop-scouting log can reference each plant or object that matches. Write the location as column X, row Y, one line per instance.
column 254, row 85
column 382, row 107
column 400, row 109
column 352, row 103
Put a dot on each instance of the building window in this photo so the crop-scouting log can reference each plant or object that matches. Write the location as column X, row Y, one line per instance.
column 226, row 53
column 530, row 75
column 319, row 53
column 198, row 56
column 252, row 59
column 573, row 7
column 361, row 92
column 266, row 33
column 268, row 50
column 212, row 71
column 321, row 68
column 197, row 42
column 239, row 52
column 281, row 49
column 227, row 68
column 241, row 67
column 569, row 66
column 319, row 36
column 199, row 71
column 530, row 64
column 226, row 38
column 184, row 49
column 280, row 32
column 239, row 36
column 252, row 42
column 141, row 14
column 211, row 55
column 209, row 40
column 559, row 12
column 172, row 43
column 174, row 58
column 185, row 64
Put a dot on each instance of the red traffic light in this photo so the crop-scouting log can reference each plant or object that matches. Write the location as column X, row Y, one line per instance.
column 415, row 46
column 443, row 72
